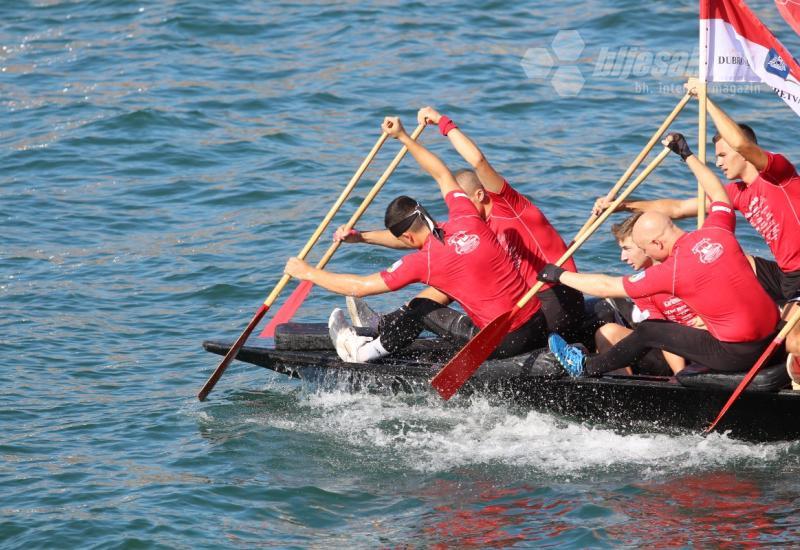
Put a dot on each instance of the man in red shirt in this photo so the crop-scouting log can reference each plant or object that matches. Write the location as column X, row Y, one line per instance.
column 461, row 258
column 765, row 187
column 522, row 229
column 659, row 306
column 705, row 268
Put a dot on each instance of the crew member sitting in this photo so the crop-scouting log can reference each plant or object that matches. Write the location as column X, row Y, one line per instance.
column 462, row 258
column 705, row 268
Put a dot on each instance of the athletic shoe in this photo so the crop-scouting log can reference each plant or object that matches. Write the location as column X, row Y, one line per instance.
column 793, row 368
column 361, row 314
column 572, row 358
column 344, row 337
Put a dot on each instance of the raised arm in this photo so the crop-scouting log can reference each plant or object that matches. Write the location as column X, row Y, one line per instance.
column 732, row 133
column 347, row 284
column 705, row 177
column 429, row 162
column 467, row 148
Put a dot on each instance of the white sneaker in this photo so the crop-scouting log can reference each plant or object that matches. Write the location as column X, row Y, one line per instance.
column 361, row 314
column 344, row 337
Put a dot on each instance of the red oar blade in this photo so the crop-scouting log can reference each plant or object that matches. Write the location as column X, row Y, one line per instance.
column 746, row 381
column 288, row 309
column 212, row 381
column 455, row 373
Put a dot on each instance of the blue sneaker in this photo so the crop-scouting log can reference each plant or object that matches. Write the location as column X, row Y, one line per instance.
column 572, row 358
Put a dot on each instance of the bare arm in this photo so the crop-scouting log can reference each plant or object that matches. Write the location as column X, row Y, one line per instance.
column 429, row 162
column 736, row 138
column 489, row 177
column 347, row 284
column 595, row 284
column 468, row 150
column 705, row 177
column 379, row 237
column 708, row 181
column 674, row 208
column 383, row 237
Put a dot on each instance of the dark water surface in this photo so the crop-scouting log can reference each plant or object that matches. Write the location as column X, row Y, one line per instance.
column 160, row 160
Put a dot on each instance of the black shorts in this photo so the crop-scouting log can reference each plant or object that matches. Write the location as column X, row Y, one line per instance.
column 400, row 327
column 781, row 286
column 694, row 344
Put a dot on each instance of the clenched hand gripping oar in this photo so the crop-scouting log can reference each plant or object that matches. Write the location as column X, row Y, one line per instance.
column 776, row 342
column 639, row 158
column 295, row 300
column 209, row 385
column 455, row 373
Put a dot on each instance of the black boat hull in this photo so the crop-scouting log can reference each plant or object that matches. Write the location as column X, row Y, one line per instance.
column 627, row 403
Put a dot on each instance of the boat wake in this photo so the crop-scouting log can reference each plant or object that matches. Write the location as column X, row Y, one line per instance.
column 421, row 433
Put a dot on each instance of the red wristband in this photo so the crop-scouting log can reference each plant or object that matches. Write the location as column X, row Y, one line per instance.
column 445, row 125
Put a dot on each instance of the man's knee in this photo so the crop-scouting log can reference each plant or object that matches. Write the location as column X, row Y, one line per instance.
column 608, row 335
column 793, row 341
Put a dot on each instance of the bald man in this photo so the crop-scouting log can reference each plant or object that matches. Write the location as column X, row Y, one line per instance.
column 765, row 187
column 706, row 268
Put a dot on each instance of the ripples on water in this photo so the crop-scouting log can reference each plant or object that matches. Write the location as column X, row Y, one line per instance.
column 160, row 160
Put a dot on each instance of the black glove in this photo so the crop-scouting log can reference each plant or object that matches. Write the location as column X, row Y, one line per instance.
column 677, row 144
column 550, row 273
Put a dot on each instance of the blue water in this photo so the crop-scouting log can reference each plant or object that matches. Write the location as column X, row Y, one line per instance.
column 159, row 161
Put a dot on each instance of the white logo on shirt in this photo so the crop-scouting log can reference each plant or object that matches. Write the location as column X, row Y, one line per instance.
column 394, row 266
column 637, row 277
column 762, row 219
column 707, row 251
column 463, row 242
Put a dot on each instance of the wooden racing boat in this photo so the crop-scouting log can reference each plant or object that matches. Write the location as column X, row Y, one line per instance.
column 687, row 402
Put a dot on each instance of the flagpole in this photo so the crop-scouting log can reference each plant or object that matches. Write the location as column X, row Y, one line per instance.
column 702, row 116
column 702, row 111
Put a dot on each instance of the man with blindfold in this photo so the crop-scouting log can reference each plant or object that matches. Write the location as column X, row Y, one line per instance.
column 461, row 258
column 520, row 226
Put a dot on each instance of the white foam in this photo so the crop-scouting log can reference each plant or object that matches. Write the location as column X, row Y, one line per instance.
column 427, row 435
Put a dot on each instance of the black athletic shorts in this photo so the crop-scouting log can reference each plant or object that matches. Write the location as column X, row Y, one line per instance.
column 781, row 286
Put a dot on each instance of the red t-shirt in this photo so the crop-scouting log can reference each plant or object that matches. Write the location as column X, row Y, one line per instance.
column 470, row 266
column 665, row 306
column 772, row 206
column 525, row 233
column 708, row 270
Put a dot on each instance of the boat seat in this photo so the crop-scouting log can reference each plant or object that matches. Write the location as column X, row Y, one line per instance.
column 770, row 378
column 315, row 337
column 307, row 336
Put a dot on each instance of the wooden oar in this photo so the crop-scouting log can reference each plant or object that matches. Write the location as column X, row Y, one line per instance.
column 295, row 300
column 455, row 373
column 776, row 342
column 639, row 158
column 209, row 385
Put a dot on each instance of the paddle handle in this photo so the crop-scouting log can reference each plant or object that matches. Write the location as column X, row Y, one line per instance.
column 791, row 322
column 639, row 158
column 323, row 225
column 370, row 197
column 599, row 221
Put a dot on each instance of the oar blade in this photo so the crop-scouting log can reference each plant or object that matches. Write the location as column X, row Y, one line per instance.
column 288, row 309
column 214, row 378
column 455, row 373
